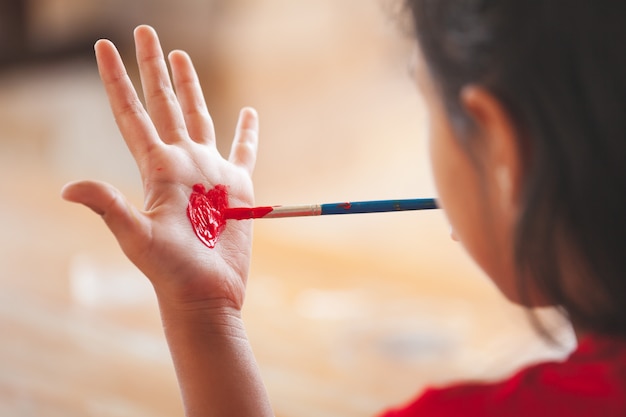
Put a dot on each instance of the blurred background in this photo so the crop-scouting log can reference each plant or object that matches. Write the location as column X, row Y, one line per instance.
column 347, row 315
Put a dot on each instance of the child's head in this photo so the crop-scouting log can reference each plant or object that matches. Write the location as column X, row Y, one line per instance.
column 528, row 144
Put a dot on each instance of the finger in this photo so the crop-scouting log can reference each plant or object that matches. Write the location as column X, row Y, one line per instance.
column 245, row 144
column 191, row 99
column 161, row 100
column 123, row 219
column 132, row 120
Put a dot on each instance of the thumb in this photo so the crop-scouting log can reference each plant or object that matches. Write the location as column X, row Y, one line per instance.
column 122, row 218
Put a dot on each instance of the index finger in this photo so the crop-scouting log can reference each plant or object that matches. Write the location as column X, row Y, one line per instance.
column 132, row 119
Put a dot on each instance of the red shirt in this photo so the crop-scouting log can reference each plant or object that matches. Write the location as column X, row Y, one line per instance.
column 591, row 382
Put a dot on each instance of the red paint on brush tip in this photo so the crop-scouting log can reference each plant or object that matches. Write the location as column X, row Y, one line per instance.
column 206, row 212
column 242, row 213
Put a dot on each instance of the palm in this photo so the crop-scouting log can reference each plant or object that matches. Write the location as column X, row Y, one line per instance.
column 173, row 143
column 173, row 249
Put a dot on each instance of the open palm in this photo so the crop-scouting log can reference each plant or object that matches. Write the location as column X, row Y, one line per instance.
column 173, row 143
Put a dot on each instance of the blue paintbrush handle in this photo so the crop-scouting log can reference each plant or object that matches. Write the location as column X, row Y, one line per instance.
column 379, row 206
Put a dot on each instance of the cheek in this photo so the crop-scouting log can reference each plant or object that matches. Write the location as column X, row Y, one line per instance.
column 461, row 197
column 453, row 179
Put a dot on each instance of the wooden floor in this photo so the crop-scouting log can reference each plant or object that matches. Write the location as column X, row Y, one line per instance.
column 347, row 315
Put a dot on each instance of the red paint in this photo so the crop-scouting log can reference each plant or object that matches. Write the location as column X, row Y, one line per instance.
column 206, row 212
column 345, row 206
column 242, row 213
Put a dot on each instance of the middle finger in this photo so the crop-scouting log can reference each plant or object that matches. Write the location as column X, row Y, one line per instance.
column 161, row 101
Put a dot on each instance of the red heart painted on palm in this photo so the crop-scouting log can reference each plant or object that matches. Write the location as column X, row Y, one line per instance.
column 206, row 212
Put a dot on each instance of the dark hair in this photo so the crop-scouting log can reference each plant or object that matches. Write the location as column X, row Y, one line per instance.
column 559, row 69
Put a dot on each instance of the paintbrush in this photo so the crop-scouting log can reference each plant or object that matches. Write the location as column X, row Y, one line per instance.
column 376, row 206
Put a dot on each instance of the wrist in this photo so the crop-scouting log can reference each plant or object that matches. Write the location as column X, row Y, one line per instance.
column 210, row 317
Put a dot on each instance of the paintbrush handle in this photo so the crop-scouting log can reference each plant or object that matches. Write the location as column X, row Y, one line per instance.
column 379, row 206
column 294, row 211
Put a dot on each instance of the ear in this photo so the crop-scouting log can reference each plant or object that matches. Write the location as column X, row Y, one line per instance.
column 498, row 148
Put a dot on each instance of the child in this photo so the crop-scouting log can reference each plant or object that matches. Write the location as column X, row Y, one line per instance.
column 526, row 105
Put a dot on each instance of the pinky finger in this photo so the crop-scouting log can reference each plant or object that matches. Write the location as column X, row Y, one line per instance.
column 243, row 152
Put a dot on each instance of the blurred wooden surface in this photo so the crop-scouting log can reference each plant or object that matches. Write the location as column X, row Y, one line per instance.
column 347, row 315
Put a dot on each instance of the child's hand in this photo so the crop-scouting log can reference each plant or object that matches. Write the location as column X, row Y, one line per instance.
column 173, row 143
column 200, row 290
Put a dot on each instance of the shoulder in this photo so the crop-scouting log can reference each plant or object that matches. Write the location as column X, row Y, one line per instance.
column 592, row 381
